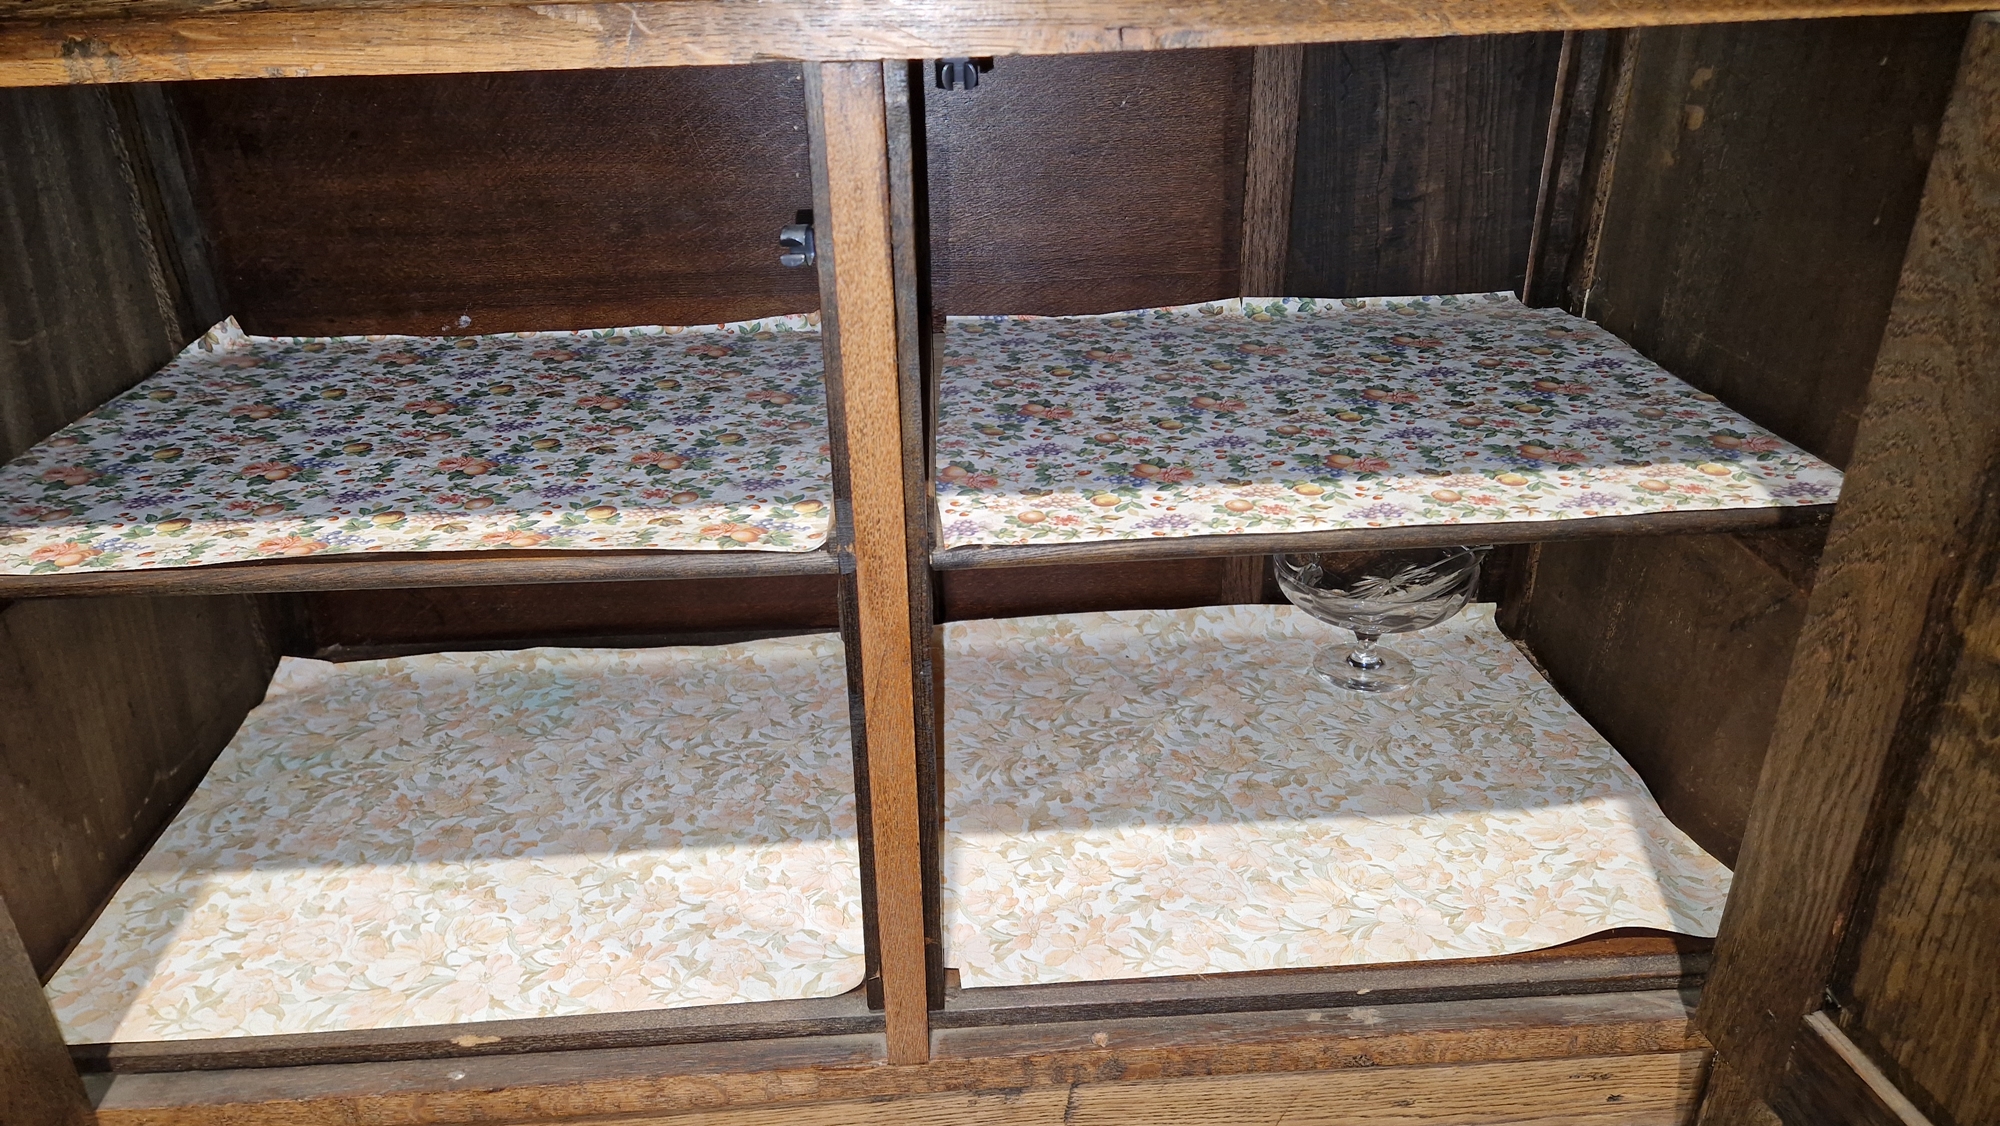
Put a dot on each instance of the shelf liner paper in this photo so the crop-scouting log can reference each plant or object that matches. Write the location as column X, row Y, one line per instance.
column 251, row 447
column 486, row 836
column 1170, row 792
column 1297, row 415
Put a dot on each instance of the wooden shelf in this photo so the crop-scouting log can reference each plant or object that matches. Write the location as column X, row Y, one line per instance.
column 273, row 464
column 60, row 42
column 1382, row 539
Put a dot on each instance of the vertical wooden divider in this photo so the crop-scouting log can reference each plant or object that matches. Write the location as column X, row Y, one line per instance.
column 848, row 117
column 1269, row 162
column 1872, row 661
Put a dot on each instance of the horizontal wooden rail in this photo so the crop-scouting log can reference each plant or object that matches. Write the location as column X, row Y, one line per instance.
column 60, row 42
column 755, row 1020
column 1385, row 539
column 381, row 572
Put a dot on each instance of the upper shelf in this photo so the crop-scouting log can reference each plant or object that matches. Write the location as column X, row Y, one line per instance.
column 60, row 42
column 255, row 463
column 1298, row 425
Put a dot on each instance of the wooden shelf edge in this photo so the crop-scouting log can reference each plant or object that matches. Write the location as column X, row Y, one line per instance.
column 1605, row 964
column 798, row 1072
column 198, row 39
column 378, row 572
column 757, row 1020
column 1381, row 539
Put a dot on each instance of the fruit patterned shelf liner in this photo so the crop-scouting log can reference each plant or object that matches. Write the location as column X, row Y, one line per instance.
column 1301, row 415
column 252, row 447
column 1169, row 792
column 486, row 836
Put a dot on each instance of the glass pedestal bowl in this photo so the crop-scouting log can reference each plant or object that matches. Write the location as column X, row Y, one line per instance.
column 1373, row 593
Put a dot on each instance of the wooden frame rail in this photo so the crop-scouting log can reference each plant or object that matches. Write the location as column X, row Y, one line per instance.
column 59, row 42
column 406, row 570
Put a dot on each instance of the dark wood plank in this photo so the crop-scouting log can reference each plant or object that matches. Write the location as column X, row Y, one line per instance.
column 847, row 111
column 206, row 39
column 471, row 568
column 1419, row 163
column 1153, row 584
column 1766, row 182
column 1089, row 184
column 37, row 1084
column 568, row 613
column 753, row 1020
column 1269, row 166
column 1831, row 1082
column 1676, row 650
column 1864, row 681
column 502, row 202
column 1917, row 983
column 1727, row 1101
column 1381, row 539
column 1560, row 209
column 132, row 700
column 85, row 303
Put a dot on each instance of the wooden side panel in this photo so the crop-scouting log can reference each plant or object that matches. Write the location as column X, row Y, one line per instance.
column 1752, row 224
column 1270, row 164
column 503, row 202
column 1766, row 181
column 37, row 1083
column 1921, row 985
column 85, row 305
column 1620, row 623
column 113, row 708
column 1875, row 658
column 1418, row 164
column 1089, row 184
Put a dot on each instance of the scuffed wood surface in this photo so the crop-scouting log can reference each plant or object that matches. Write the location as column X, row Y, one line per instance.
column 1872, row 662
column 766, row 1074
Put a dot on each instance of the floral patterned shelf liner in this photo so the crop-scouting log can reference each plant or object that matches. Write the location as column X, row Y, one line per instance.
column 252, row 447
column 1299, row 415
column 486, row 836
column 1167, row 792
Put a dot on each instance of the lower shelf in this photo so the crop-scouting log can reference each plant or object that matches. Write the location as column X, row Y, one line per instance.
column 1165, row 793
column 488, row 837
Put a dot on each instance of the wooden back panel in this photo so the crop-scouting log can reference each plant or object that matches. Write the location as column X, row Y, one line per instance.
column 502, row 202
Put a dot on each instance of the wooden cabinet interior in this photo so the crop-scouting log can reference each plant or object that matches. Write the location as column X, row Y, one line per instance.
column 1734, row 200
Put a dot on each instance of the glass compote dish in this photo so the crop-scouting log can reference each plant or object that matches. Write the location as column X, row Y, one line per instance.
column 1373, row 593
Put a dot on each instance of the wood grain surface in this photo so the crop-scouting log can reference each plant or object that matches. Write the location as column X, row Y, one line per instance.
column 37, row 1084
column 1648, row 1090
column 1866, row 679
column 1679, row 661
column 1918, row 985
column 567, row 613
column 792, row 1073
column 99, row 41
column 1275, row 74
column 1830, row 1081
column 1764, row 189
column 1088, row 184
column 1419, row 164
column 848, row 114
column 502, row 202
